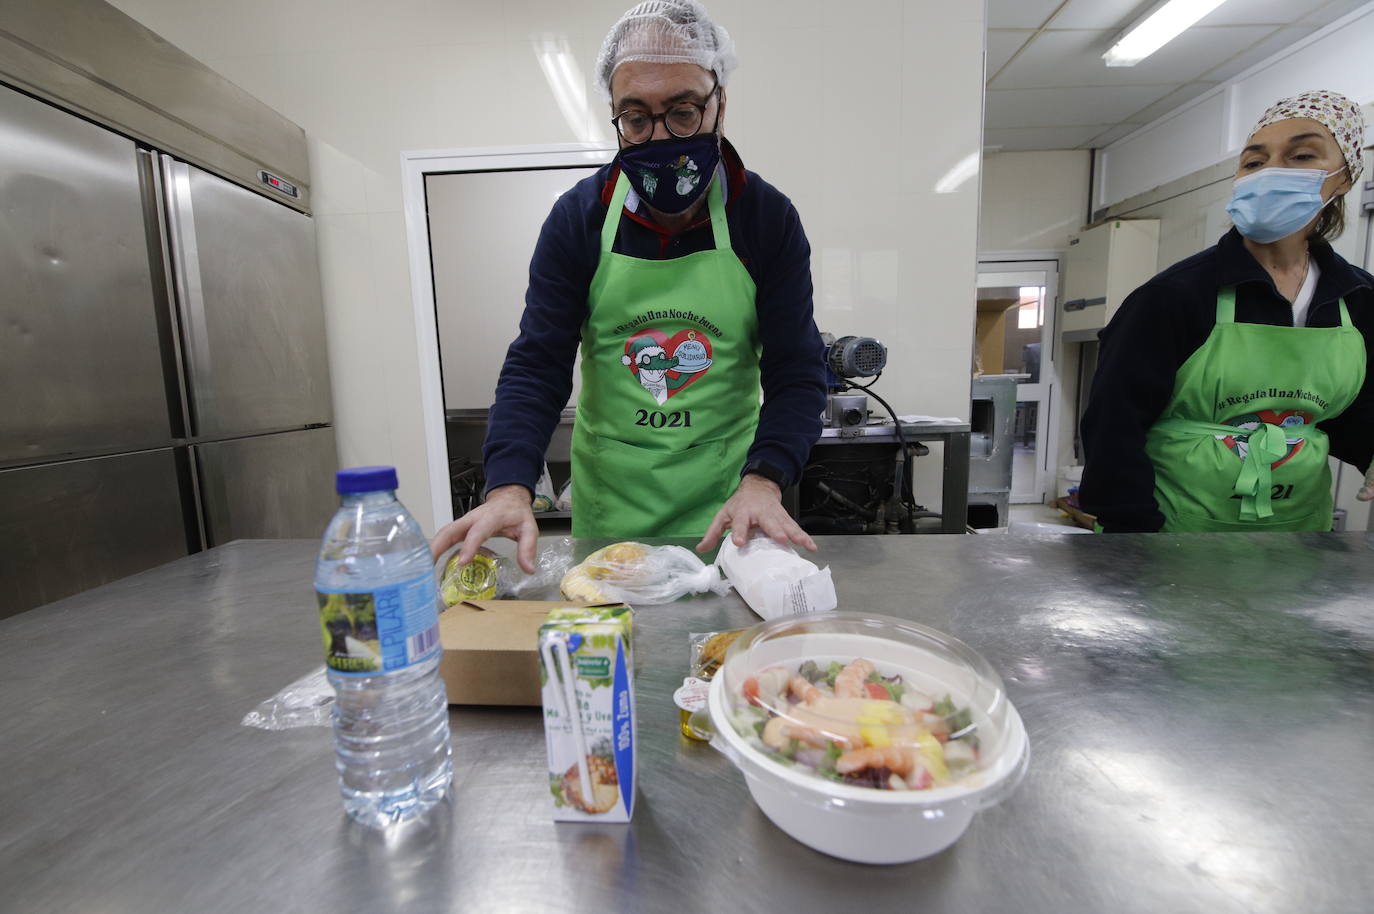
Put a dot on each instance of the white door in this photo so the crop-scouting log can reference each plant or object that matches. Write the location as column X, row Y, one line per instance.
column 482, row 229
column 1016, row 307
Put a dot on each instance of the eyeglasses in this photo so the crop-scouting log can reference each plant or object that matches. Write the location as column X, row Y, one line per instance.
column 682, row 120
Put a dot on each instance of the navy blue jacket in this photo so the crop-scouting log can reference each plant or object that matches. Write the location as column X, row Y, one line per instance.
column 766, row 233
column 1164, row 322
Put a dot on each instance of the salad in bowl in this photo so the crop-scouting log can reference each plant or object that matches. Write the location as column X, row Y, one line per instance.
column 853, row 723
column 866, row 737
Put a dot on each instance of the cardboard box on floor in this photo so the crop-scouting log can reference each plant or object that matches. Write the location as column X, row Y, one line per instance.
column 491, row 651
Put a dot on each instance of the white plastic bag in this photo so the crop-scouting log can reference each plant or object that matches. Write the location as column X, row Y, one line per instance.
column 544, row 494
column 564, row 500
column 774, row 580
column 641, row 575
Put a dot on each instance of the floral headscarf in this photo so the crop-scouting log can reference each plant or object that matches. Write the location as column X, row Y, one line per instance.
column 1333, row 111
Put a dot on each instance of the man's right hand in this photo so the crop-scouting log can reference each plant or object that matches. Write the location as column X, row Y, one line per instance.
column 506, row 512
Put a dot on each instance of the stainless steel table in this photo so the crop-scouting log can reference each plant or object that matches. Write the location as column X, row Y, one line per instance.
column 1200, row 709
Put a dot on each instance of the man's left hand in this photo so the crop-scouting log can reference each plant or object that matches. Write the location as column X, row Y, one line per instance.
column 756, row 503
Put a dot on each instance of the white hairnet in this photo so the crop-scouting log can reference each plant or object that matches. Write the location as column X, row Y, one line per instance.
column 666, row 31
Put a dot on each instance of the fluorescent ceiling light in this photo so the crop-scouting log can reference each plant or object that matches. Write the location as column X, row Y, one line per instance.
column 1156, row 30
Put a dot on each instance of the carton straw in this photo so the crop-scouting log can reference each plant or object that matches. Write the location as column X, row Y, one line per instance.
column 555, row 648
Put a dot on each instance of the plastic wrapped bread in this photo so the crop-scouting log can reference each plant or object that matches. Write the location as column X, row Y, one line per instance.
column 774, row 580
column 640, row 575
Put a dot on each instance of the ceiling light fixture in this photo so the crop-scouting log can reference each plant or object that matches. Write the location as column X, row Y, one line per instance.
column 1156, row 30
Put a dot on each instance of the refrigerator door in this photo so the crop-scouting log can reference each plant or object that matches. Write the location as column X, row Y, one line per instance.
column 69, row 526
column 268, row 487
column 80, row 359
column 252, row 318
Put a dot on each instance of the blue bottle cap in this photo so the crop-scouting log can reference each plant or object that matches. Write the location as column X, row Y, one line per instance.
column 356, row 480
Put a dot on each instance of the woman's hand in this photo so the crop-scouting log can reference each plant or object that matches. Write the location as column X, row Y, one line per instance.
column 506, row 512
column 756, row 503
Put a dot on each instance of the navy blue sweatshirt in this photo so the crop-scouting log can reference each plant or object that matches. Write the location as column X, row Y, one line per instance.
column 766, row 233
column 1164, row 322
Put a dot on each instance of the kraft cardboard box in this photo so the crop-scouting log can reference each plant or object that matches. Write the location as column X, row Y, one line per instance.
column 491, row 651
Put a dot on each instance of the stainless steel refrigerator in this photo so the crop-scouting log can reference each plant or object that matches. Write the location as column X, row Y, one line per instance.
column 162, row 359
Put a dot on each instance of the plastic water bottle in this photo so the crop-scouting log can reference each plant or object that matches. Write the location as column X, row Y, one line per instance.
column 379, row 620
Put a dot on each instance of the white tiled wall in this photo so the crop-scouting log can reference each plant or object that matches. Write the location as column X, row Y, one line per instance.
column 858, row 111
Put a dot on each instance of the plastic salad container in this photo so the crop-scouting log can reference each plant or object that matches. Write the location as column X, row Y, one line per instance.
column 868, row 738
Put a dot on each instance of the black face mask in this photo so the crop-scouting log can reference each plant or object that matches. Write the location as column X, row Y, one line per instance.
column 672, row 174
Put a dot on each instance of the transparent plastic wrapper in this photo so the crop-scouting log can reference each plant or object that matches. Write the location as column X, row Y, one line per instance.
column 307, row 702
column 774, row 580
column 490, row 576
column 564, row 500
column 868, row 738
column 640, row 575
column 706, row 654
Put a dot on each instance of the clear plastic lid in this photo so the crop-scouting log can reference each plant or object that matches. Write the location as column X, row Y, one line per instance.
column 866, row 700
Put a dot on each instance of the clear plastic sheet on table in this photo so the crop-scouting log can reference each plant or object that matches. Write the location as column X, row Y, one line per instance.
column 307, row 702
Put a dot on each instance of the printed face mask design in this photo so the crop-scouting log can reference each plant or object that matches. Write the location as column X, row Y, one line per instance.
column 670, row 175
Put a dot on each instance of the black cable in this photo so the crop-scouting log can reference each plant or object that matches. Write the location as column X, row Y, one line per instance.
column 905, row 496
column 846, row 501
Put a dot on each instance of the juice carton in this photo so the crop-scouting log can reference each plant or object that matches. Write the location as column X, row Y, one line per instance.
column 587, row 675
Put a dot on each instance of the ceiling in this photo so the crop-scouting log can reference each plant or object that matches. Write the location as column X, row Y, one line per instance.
column 1048, row 87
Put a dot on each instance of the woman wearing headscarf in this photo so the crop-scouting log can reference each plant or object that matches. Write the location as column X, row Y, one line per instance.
column 1224, row 382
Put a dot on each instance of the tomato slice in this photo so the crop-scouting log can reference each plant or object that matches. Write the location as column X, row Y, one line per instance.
column 878, row 691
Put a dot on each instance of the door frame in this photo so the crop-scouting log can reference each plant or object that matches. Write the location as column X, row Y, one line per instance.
column 1047, row 441
column 415, row 167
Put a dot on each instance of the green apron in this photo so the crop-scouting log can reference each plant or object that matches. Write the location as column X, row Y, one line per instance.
column 670, row 386
column 1237, row 447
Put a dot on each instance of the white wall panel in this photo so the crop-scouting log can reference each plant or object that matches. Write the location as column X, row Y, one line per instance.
column 1155, row 156
column 1033, row 201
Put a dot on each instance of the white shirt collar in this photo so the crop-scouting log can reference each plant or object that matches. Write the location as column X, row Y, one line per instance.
column 1303, row 303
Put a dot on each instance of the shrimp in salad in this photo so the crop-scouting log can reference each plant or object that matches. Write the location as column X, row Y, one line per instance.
column 850, row 681
column 848, row 722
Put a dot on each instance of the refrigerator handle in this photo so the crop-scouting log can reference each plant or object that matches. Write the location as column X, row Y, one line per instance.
column 165, row 284
column 161, row 220
column 183, row 258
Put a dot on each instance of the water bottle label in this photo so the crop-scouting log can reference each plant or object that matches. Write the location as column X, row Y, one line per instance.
column 378, row 631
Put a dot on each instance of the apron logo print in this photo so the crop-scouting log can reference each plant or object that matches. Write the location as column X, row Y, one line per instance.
column 666, row 365
column 1240, row 443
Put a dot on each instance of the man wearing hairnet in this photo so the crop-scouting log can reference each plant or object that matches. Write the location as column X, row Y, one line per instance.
column 687, row 281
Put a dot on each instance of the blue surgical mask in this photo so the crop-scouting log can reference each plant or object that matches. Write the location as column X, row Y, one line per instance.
column 1274, row 203
column 671, row 174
